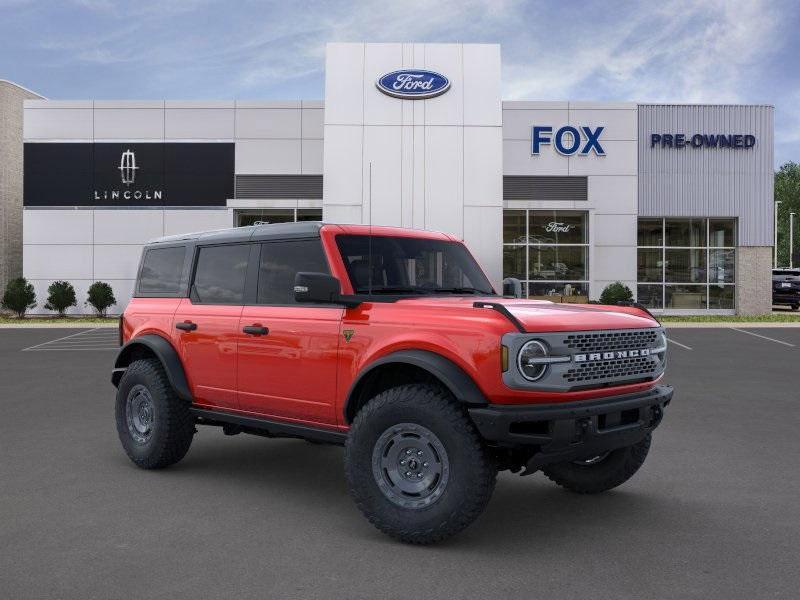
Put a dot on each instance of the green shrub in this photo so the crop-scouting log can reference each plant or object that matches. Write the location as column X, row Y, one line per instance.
column 60, row 296
column 19, row 296
column 616, row 292
column 101, row 297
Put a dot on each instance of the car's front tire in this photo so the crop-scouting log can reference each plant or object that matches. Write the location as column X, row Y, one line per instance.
column 153, row 424
column 600, row 473
column 415, row 465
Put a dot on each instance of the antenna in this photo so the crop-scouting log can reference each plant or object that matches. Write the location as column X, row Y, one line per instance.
column 369, row 237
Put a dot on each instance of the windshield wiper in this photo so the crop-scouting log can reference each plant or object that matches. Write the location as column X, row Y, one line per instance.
column 391, row 289
column 463, row 290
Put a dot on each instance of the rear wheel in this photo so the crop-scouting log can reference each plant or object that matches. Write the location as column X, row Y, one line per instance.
column 153, row 424
column 795, row 306
column 600, row 473
column 416, row 466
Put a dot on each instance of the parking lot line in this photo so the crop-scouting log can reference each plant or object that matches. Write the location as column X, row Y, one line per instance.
column 763, row 337
column 90, row 339
column 679, row 344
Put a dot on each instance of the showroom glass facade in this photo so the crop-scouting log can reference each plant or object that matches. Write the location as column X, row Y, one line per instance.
column 261, row 216
column 686, row 264
column 548, row 250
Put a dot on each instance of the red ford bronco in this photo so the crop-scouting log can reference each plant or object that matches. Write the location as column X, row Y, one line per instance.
column 393, row 343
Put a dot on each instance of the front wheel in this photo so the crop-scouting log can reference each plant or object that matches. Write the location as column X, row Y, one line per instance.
column 600, row 473
column 153, row 424
column 416, row 466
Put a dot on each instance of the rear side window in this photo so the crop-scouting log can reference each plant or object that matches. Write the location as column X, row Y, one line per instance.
column 161, row 271
column 280, row 262
column 220, row 274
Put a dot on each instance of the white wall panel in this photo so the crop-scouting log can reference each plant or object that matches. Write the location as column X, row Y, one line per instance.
column 340, row 213
column 313, row 123
column 344, row 81
column 482, row 84
column 382, row 149
column 617, row 124
column 267, row 123
column 58, row 124
column 380, row 109
column 447, row 109
column 517, row 123
column 444, row 180
column 268, row 157
column 312, row 151
column 67, row 261
column 614, row 230
column 613, row 262
column 188, row 221
column 483, row 166
column 127, row 226
column 613, row 194
column 128, row 123
column 342, row 183
column 517, row 160
column 477, row 221
column 57, row 226
column 199, row 123
column 116, row 261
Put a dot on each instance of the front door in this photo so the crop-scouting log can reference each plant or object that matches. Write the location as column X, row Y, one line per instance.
column 288, row 351
column 206, row 325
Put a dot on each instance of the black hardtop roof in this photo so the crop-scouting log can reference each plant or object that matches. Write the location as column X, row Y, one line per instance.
column 301, row 229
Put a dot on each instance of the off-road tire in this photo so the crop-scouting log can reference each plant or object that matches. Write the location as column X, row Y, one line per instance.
column 795, row 306
column 471, row 472
column 172, row 424
column 615, row 469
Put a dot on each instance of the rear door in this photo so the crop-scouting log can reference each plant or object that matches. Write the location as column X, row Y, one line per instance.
column 206, row 324
column 288, row 351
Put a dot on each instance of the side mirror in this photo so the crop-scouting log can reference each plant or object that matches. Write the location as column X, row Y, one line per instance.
column 512, row 287
column 316, row 287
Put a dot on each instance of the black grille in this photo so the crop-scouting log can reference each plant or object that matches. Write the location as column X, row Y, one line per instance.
column 622, row 368
column 634, row 339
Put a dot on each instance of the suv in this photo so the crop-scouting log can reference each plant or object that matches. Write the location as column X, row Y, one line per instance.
column 786, row 287
column 392, row 343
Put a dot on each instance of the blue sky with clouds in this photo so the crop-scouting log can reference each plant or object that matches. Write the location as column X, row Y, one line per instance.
column 669, row 50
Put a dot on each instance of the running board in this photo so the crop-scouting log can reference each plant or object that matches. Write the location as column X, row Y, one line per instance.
column 268, row 427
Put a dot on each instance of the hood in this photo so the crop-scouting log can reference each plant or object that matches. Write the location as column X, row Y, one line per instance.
column 542, row 315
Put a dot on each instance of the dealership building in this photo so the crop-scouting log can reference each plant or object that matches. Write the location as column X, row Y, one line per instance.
column 673, row 200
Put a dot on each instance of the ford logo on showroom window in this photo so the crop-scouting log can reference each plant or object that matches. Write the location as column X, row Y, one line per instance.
column 413, row 84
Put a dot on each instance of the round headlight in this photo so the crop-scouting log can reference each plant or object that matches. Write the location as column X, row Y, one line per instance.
column 529, row 358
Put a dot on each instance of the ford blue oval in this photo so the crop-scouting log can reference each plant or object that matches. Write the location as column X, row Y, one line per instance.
column 413, row 84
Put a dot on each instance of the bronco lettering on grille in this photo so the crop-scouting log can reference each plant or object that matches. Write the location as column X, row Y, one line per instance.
column 594, row 356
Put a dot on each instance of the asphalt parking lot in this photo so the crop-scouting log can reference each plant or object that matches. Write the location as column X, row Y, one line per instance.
column 714, row 512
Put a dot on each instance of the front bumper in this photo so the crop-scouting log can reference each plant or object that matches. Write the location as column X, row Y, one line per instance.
column 576, row 430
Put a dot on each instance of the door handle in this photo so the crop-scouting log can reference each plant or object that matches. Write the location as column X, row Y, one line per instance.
column 186, row 326
column 255, row 330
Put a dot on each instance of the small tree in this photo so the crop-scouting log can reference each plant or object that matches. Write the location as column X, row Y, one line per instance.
column 19, row 297
column 616, row 292
column 101, row 297
column 60, row 296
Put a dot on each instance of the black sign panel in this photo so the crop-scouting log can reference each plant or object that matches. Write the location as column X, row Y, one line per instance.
column 128, row 174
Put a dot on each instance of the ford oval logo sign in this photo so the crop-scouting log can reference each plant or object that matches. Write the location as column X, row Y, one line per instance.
column 413, row 84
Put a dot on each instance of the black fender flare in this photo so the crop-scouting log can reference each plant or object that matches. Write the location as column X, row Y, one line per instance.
column 449, row 373
column 165, row 353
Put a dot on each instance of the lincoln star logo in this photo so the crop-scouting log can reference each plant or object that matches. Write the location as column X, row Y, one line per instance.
column 127, row 167
column 348, row 333
column 594, row 356
column 413, row 84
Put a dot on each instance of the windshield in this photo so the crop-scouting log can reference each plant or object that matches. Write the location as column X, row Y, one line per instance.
column 399, row 265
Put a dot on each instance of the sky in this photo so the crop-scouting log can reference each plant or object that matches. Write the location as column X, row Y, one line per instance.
column 712, row 51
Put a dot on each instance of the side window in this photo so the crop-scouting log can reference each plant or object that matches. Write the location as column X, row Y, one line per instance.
column 220, row 274
column 280, row 262
column 161, row 270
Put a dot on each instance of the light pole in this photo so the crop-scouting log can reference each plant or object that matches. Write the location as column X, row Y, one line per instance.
column 791, row 238
column 777, row 205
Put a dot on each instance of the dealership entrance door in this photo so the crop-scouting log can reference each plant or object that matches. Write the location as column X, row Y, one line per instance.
column 262, row 216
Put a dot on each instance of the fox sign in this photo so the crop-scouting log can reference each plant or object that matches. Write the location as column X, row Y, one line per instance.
column 568, row 140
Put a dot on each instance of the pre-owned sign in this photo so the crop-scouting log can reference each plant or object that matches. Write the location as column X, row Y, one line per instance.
column 702, row 140
column 128, row 174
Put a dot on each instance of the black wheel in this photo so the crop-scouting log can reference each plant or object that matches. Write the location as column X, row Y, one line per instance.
column 415, row 465
column 153, row 424
column 599, row 473
column 795, row 306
